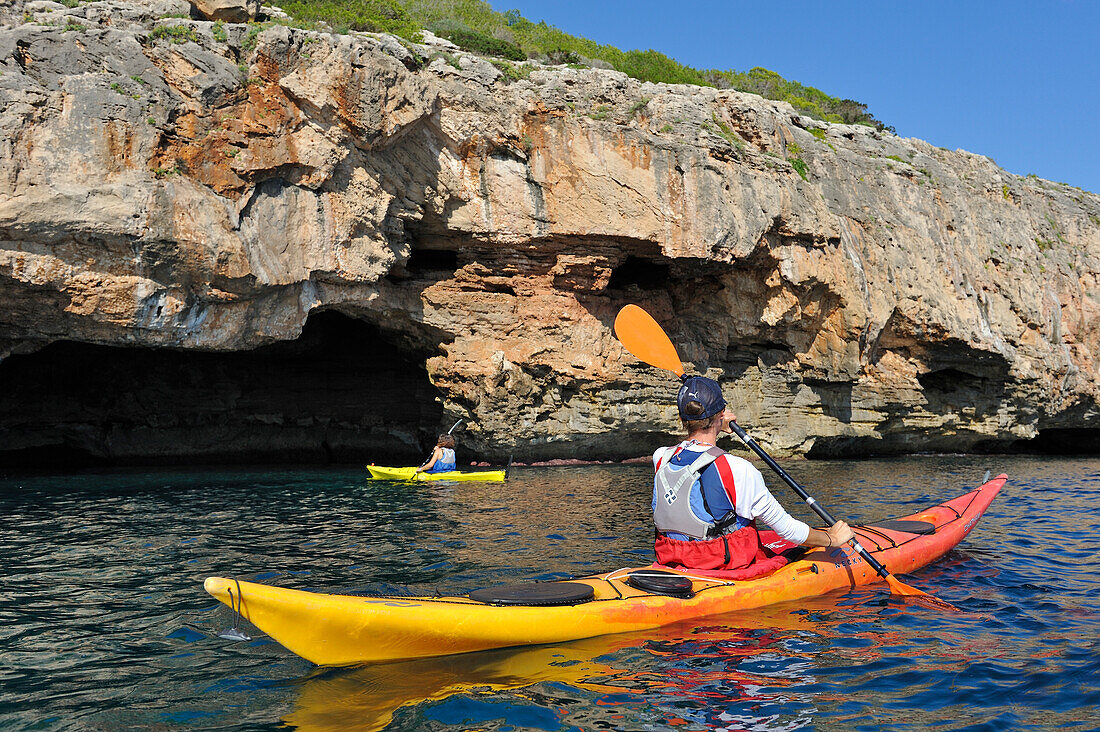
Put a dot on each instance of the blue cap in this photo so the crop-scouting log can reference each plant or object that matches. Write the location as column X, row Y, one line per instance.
column 703, row 390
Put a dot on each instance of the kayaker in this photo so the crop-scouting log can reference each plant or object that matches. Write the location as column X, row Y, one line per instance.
column 443, row 457
column 706, row 501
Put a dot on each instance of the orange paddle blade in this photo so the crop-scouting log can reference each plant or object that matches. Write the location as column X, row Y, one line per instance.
column 898, row 587
column 640, row 334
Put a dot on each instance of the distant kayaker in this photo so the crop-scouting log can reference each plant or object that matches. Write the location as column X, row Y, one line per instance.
column 443, row 457
column 706, row 501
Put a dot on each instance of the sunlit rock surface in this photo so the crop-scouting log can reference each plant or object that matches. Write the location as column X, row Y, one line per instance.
column 207, row 190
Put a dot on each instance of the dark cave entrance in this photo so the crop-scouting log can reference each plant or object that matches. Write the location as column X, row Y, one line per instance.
column 341, row 393
column 643, row 274
column 1062, row 441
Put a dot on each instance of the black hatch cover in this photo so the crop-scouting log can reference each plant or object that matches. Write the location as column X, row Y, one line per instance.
column 909, row 527
column 535, row 593
column 661, row 583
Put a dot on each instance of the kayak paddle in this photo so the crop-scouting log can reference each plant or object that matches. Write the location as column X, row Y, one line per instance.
column 646, row 340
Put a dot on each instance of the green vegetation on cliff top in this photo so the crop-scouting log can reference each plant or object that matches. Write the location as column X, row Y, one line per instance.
column 474, row 26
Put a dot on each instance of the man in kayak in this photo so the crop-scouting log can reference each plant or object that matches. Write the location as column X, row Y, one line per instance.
column 443, row 457
column 706, row 501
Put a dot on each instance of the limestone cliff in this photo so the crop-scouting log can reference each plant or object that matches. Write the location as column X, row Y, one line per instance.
column 178, row 197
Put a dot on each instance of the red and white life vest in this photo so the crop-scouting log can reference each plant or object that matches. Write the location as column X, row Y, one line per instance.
column 674, row 484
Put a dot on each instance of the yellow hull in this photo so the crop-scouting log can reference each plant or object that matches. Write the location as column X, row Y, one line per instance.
column 380, row 473
column 339, row 630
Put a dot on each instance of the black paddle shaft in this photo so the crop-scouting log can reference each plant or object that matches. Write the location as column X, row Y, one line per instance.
column 817, row 507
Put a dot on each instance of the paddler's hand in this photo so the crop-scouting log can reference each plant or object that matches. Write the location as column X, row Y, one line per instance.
column 726, row 417
column 839, row 534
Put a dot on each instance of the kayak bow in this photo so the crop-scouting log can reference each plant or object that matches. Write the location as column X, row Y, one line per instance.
column 341, row 630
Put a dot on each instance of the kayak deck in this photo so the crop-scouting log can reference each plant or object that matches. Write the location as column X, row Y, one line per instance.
column 384, row 473
column 346, row 629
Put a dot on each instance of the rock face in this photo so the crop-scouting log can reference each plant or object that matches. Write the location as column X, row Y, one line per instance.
column 180, row 191
column 232, row 11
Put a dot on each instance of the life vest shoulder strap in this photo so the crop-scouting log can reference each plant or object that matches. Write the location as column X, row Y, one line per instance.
column 728, row 484
column 661, row 460
column 726, row 475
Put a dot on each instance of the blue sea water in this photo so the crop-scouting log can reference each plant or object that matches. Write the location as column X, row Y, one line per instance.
column 104, row 623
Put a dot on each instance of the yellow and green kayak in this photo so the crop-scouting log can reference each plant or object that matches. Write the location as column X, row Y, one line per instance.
column 380, row 473
column 347, row 629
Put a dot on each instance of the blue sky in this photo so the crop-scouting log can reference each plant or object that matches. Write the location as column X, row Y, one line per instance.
column 1017, row 81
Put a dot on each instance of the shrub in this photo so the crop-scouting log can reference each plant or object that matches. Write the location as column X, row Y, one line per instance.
column 560, row 56
column 511, row 72
column 600, row 113
column 115, row 86
column 475, row 42
column 654, row 66
column 218, row 29
column 799, row 166
column 249, row 41
column 372, row 16
column 724, row 131
column 806, row 99
column 175, row 33
column 450, row 58
column 160, row 172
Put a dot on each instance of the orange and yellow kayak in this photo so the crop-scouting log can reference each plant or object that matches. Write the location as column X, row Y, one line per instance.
column 341, row 630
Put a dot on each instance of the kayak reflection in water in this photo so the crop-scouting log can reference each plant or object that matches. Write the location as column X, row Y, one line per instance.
column 443, row 457
column 706, row 501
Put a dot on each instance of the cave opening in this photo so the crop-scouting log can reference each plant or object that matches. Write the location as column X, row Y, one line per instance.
column 423, row 261
column 638, row 272
column 1062, row 441
column 952, row 391
column 343, row 392
column 949, row 380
